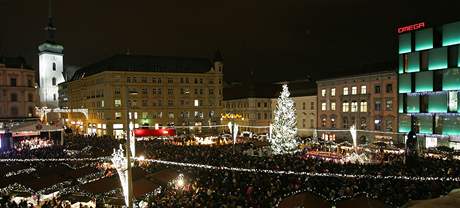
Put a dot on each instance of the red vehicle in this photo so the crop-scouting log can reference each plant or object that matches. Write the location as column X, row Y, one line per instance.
column 154, row 132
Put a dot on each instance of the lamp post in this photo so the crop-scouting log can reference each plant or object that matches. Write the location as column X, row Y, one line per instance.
column 128, row 149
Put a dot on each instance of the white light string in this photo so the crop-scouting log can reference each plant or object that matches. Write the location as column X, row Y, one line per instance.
column 310, row 174
column 56, row 159
column 250, row 170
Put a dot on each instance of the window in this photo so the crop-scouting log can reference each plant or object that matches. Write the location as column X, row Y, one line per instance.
column 345, row 106
column 303, row 106
column 29, row 83
column 196, row 103
column 265, row 115
column 303, row 123
column 378, row 124
column 265, row 105
column 54, row 97
column 211, row 91
column 363, row 123
column 333, row 92
column 170, row 81
column 118, row 103
column 378, row 105
column 354, row 106
column 363, row 89
column 196, row 81
column 312, row 123
column 258, row 104
column 354, row 90
column 333, row 106
column 312, row 106
column 14, row 111
column 30, row 97
column 389, row 88
column 170, row 91
column 128, row 79
column 170, row 103
column 389, row 105
column 117, row 115
column 144, row 103
column 333, row 122
column 13, row 82
column 201, row 80
column 53, row 81
column 323, row 92
column 117, row 91
column 323, row 122
column 345, row 122
column 323, row 106
column 54, row 66
column 363, row 106
column 389, row 125
column 377, row 89
column 14, row 97
column 345, row 91
column 201, row 91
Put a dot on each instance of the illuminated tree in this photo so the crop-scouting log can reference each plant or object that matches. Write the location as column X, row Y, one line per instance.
column 283, row 139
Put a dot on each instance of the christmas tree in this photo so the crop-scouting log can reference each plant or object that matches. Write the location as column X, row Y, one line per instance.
column 284, row 132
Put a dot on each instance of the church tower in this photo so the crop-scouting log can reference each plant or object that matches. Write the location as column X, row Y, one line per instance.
column 51, row 66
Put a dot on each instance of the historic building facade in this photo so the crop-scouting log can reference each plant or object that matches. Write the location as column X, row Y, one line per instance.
column 368, row 101
column 172, row 91
column 18, row 91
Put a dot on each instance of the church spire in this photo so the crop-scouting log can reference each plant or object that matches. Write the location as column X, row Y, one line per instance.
column 50, row 29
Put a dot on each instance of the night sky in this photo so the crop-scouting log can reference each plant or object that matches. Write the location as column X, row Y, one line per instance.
column 278, row 40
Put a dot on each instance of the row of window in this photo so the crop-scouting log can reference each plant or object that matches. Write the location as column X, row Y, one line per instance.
column 170, row 91
column 171, row 115
column 145, row 103
column 14, row 97
column 354, row 90
column 14, row 111
column 363, row 123
column 434, row 59
column 158, row 80
column 353, row 106
column 14, row 82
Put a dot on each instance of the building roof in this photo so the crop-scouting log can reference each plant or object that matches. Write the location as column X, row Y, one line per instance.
column 146, row 63
column 14, row 62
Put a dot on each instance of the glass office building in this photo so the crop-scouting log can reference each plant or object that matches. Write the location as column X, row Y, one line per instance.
column 429, row 84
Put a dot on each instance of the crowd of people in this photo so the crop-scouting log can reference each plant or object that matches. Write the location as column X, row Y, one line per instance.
column 230, row 188
column 218, row 188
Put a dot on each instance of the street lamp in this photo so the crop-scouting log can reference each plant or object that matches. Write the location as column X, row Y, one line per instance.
column 128, row 148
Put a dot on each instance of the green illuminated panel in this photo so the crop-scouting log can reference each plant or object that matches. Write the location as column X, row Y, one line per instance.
column 451, row 79
column 451, row 125
column 405, row 43
column 424, row 39
column 425, row 124
column 401, row 64
column 405, row 83
column 401, row 103
column 437, row 59
column 424, row 81
column 450, row 34
column 413, row 62
column 413, row 104
column 404, row 123
column 437, row 103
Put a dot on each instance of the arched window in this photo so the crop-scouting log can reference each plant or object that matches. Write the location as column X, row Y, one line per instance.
column 54, row 66
column 14, row 111
column 54, row 81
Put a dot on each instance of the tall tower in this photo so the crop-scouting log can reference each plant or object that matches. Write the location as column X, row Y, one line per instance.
column 51, row 66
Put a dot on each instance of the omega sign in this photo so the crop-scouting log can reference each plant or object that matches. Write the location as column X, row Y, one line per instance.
column 411, row 27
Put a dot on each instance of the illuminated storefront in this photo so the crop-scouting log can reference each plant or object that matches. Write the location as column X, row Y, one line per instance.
column 429, row 83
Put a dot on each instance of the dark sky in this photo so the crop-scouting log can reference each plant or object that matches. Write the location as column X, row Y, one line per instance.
column 287, row 39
